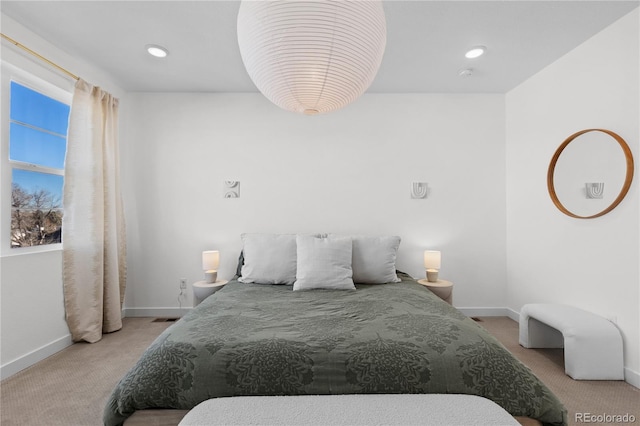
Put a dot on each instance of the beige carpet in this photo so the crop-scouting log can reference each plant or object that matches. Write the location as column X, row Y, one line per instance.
column 71, row 387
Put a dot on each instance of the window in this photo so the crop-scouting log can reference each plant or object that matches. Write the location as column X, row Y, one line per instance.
column 37, row 146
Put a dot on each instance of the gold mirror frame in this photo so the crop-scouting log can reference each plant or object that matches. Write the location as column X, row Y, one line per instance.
column 627, row 181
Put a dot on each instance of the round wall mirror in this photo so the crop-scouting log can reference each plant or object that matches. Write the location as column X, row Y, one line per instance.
column 590, row 173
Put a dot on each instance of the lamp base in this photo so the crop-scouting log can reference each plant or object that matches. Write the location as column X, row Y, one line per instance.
column 432, row 275
column 210, row 276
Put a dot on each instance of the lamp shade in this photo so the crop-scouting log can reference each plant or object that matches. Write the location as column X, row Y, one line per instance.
column 210, row 260
column 432, row 259
column 312, row 56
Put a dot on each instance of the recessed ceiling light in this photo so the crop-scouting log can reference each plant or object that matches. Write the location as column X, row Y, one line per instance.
column 475, row 52
column 157, row 51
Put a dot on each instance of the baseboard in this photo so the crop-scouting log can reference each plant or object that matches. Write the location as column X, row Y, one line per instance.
column 513, row 315
column 632, row 377
column 483, row 312
column 156, row 312
column 17, row 365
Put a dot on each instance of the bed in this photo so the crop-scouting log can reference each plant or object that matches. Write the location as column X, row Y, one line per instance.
column 251, row 339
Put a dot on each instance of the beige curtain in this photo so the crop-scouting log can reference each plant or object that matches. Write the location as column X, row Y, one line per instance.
column 93, row 233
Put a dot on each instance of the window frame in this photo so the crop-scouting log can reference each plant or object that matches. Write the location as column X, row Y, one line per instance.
column 11, row 73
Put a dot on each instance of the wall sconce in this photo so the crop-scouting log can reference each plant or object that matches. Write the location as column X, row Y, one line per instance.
column 210, row 262
column 419, row 190
column 231, row 189
column 432, row 264
column 595, row 190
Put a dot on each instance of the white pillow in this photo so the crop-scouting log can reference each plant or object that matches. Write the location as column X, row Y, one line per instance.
column 269, row 258
column 374, row 259
column 323, row 263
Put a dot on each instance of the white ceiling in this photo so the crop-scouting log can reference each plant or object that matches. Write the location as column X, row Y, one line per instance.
column 426, row 41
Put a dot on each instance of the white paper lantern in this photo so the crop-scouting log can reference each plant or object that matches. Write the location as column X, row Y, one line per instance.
column 312, row 56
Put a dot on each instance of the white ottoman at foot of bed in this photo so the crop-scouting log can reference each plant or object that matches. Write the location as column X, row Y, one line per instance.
column 373, row 409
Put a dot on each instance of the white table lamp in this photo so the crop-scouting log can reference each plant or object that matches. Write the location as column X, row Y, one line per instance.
column 210, row 262
column 432, row 264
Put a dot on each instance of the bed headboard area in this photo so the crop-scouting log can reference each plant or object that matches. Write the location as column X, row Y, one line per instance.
column 311, row 261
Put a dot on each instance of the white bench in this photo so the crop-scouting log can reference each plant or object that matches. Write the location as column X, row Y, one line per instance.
column 592, row 344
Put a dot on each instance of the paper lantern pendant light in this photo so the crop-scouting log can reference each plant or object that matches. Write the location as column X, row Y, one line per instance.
column 312, row 56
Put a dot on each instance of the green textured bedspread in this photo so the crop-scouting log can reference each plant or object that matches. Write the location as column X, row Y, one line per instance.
column 252, row 339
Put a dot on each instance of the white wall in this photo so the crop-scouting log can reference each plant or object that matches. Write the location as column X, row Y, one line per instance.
column 346, row 172
column 592, row 264
column 32, row 321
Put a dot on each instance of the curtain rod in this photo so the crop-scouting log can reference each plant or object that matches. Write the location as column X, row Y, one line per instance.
column 37, row 55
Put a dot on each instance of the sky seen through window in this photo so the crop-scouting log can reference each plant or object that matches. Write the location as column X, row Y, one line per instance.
column 38, row 132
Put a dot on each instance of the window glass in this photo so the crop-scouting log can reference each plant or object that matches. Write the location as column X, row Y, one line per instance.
column 36, row 147
column 38, row 110
column 38, row 137
column 36, row 208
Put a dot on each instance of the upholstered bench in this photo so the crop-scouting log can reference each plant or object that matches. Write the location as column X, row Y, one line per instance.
column 592, row 344
column 337, row 410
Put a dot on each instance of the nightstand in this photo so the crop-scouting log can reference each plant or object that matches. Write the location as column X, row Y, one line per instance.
column 441, row 288
column 203, row 289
